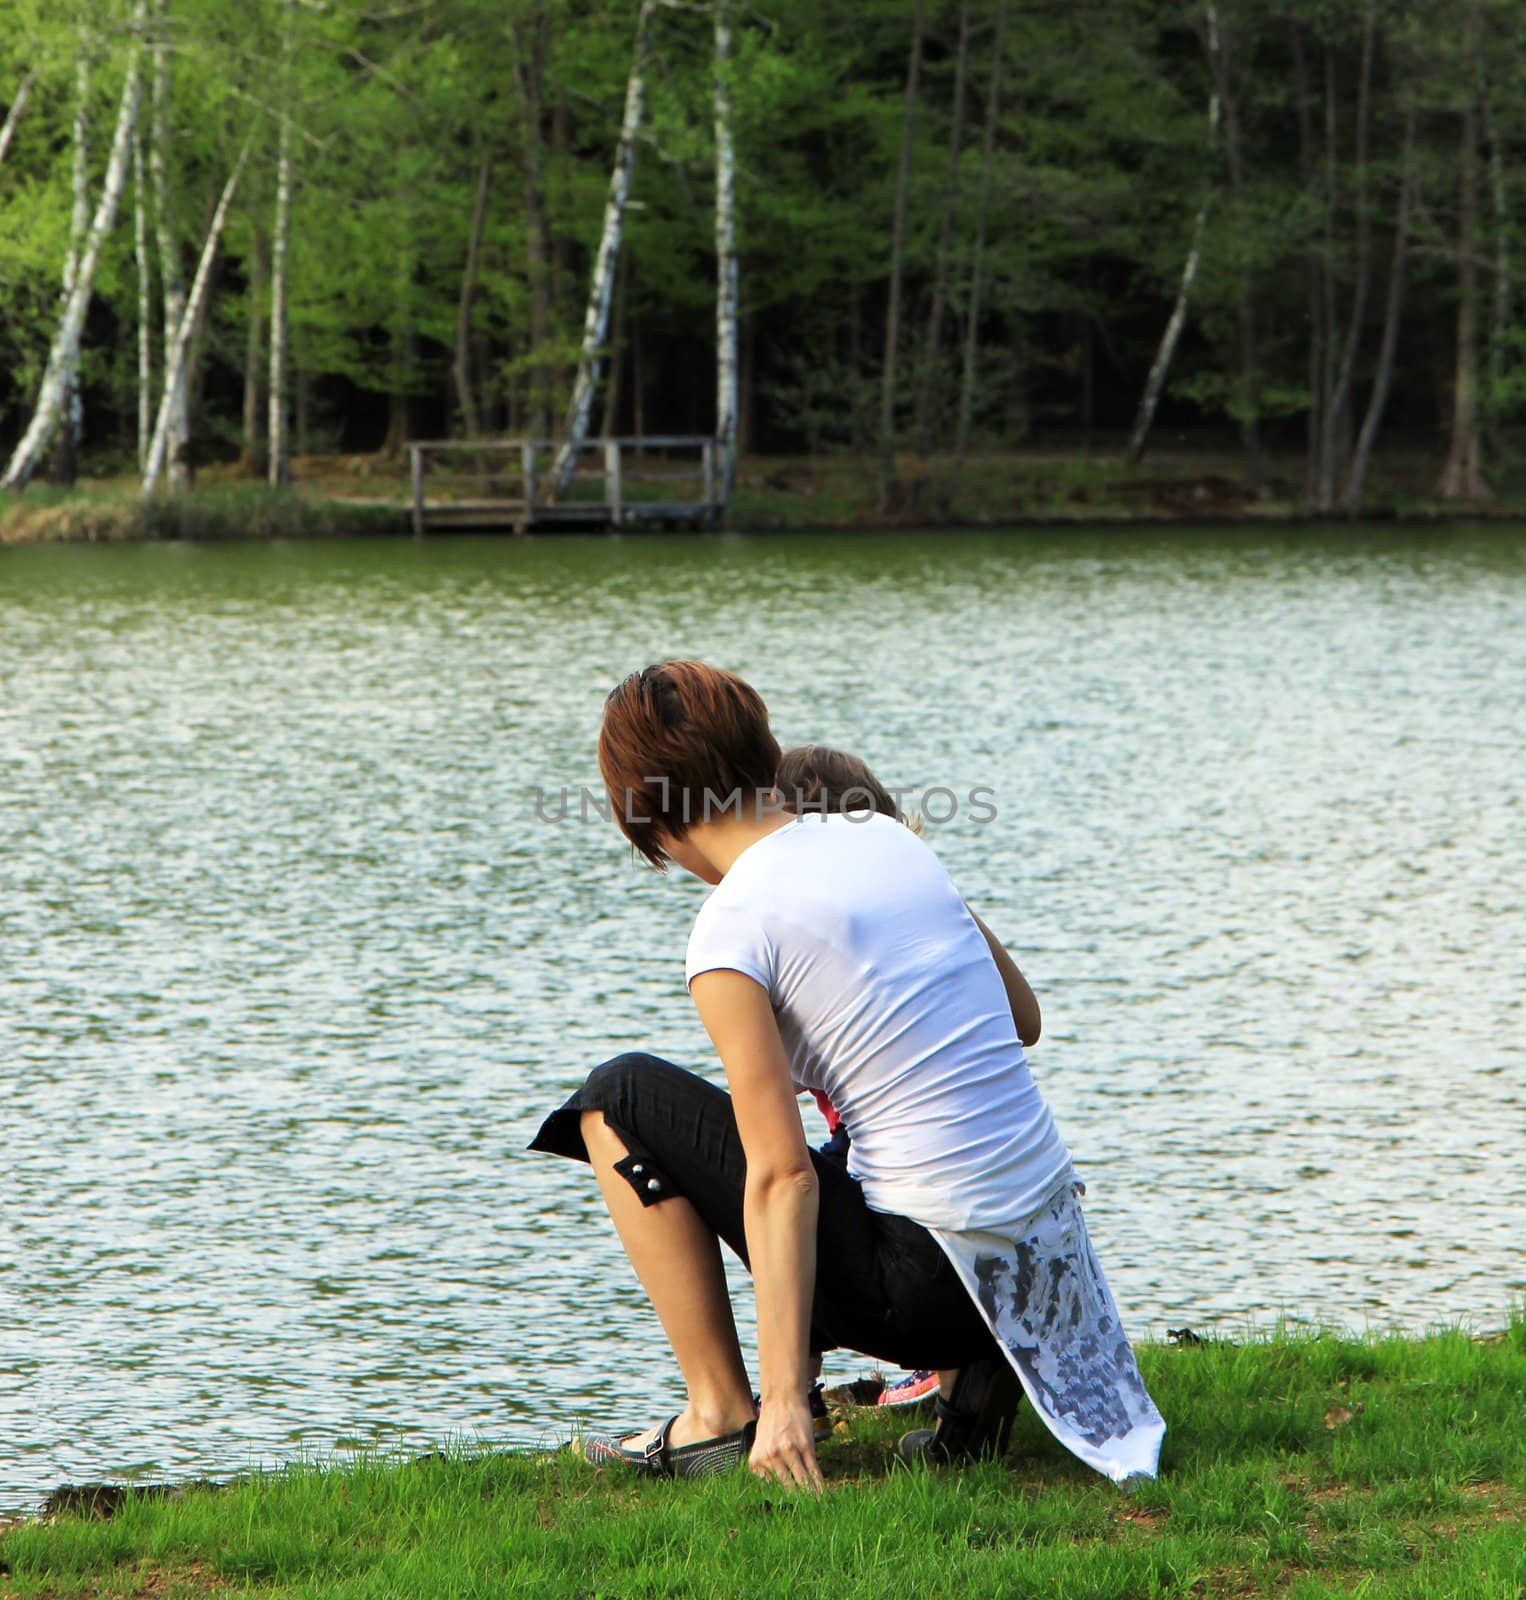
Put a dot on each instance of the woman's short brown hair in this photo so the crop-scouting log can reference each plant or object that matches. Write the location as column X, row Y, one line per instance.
column 683, row 742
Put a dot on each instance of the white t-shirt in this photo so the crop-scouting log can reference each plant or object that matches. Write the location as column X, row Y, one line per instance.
column 889, row 1001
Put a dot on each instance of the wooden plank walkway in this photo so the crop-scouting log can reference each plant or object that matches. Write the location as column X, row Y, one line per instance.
column 507, row 485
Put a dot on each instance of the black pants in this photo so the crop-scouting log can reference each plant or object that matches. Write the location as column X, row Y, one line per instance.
column 883, row 1285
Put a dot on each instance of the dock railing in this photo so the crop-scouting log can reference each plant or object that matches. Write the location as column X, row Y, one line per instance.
column 665, row 481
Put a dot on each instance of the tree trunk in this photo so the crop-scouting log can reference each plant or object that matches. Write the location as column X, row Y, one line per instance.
column 13, row 116
column 638, row 390
column 930, row 387
column 63, row 356
column 1250, row 377
column 278, row 443
column 596, row 321
column 171, row 275
column 1337, row 413
column 529, row 77
column 1499, row 324
column 617, row 356
column 747, row 408
column 1160, row 368
column 726, row 285
column 461, row 367
column 897, row 259
column 64, row 467
column 1361, row 456
column 1315, row 262
column 252, row 450
column 1462, row 477
column 977, row 255
column 180, row 346
column 145, row 301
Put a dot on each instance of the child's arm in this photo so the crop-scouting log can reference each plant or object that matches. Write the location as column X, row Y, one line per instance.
column 1025, row 1008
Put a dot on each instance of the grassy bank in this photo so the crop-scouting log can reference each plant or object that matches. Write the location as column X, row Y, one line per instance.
column 335, row 495
column 115, row 513
column 1294, row 1467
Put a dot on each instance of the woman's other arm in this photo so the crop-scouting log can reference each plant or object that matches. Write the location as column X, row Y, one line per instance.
column 1025, row 1007
column 778, row 1212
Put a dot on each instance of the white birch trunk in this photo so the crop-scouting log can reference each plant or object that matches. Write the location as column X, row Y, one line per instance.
column 1161, row 366
column 596, row 322
column 72, row 430
column 63, row 356
column 726, row 285
column 13, row 116
column 279, row 444
column 145, row 311
column 171, row 277
column 174, row 372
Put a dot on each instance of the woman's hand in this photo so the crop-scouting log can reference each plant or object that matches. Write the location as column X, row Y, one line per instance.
column 785, row 1447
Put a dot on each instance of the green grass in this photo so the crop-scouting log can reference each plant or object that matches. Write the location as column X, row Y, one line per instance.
column 113, row 513
column 1294, row 1466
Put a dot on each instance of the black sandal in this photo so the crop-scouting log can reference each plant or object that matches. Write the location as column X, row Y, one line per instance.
column 659, row 1459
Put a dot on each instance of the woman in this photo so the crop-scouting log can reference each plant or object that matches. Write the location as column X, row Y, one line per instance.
column 835, row 953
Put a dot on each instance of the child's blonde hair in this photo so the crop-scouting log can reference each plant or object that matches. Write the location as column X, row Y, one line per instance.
column 815, row 777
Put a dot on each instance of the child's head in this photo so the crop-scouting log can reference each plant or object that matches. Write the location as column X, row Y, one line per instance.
column 815, row 777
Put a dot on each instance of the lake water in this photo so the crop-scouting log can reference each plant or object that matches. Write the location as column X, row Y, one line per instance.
column 292, row 964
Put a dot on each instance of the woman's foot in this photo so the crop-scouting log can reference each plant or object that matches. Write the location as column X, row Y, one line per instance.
column 694, row 1427
column 656, row 1454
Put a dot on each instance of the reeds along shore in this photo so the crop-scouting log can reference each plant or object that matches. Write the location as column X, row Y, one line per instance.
column 1295, row 1466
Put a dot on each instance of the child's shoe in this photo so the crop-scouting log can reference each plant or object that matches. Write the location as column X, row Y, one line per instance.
column 911, row 1390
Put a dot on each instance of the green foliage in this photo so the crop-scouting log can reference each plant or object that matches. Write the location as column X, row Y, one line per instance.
column 1102, row 156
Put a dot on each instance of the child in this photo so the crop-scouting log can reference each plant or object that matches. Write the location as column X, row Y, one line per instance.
column 815, row 777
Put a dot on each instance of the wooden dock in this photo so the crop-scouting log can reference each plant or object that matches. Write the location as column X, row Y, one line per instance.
column 508, row 485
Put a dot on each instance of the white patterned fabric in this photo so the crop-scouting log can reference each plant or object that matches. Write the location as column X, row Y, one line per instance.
column 1050, row 1308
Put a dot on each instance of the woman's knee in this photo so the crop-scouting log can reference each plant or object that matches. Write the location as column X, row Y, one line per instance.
column 613, row 1083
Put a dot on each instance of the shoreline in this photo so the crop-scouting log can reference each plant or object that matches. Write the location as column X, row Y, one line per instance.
column 1032, row 490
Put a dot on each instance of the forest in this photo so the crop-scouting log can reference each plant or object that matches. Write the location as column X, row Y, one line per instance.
column 911, row 229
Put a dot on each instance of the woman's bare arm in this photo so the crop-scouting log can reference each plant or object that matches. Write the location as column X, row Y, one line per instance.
column 1025, row 1007
column 778, row 1213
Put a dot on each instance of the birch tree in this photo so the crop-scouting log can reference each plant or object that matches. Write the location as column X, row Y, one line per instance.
column 1160, row 368
column 596, row 319
column 180, row 347
column 145, row 300
column 13, row 115
column 278, row 446
column 63, row 354
column 171, row 277
column 726, row 285
column 72, row 424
